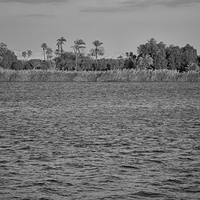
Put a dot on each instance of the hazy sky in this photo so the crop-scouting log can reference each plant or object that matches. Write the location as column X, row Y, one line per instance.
column 122, row 25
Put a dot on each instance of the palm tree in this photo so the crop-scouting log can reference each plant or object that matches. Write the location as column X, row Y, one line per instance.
column 44, row 47
column 24, row 54
column 98, row 50
column 78, row 46
column 29, row 53
column 49, row 53
column 60, row 42
column 57, row 52
column 120, row 57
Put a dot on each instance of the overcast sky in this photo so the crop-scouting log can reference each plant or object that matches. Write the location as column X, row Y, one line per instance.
column 122, row 25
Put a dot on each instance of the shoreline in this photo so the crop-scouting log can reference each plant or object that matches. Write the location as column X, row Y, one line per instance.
column 98, row 76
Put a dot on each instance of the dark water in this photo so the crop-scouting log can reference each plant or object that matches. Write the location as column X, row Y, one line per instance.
column 103, row 141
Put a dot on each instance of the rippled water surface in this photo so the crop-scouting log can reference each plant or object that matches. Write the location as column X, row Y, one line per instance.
column 90, row 141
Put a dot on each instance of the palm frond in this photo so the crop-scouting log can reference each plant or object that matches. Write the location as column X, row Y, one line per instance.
column 97, row 43
column 61, row 41
column 79, row 42
column 44, row 45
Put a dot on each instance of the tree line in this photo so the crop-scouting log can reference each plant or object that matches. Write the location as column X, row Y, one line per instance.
column 151, row 55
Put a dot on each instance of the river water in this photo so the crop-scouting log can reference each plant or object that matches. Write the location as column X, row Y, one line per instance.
column 99, row 141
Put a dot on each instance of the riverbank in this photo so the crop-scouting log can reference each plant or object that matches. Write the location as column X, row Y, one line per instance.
column 98, row 76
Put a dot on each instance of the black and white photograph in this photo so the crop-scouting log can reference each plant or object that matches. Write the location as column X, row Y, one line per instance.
column 99, row 100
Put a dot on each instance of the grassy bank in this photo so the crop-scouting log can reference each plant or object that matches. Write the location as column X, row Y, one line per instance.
column 98, row 76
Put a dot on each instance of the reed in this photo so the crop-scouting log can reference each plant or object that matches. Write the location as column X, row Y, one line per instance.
column 87, row 76
column 98, row 76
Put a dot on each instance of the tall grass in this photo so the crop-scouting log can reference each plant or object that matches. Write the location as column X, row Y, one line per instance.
column 98, row 76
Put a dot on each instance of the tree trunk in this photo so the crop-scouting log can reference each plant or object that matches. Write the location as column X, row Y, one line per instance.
column 44, row 53
column 76, row 61
column 96, row 59
column 61, row 49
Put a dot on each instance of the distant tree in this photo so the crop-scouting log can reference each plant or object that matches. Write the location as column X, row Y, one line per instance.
column 24, row 54
column 8, row 58
column 78, row 46
column 188, row 55
column 29, row 53
column 153, row 47
column 69, row 56
column 58, row 49
column 98, row 50
column 49, row 53
column 130, row 61
column 3, row 48
column 60, row 43
column 149, row 48
column 120, row 57
column 17, row 65
column 156, row 51
column 173, row 57
column 181, row 59
column 57, row 52
column 130, row 55
column 159, row 60
column 121, row 62
column 44, row 47
column 145, row 62
column 67, row 61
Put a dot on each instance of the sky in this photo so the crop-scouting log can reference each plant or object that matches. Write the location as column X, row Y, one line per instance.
column 122, row 25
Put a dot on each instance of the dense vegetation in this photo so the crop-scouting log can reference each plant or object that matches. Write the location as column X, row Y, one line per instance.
column 151, row 55
column 116, row 75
